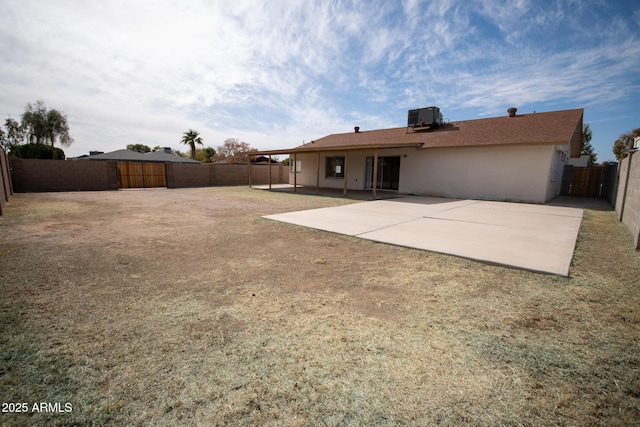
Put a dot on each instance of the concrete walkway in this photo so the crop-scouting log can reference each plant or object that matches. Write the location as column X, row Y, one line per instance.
column 533, row 237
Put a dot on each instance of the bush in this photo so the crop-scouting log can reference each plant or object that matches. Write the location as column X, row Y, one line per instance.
column 36, row 151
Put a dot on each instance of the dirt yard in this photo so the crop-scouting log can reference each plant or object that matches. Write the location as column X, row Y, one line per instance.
column 185, row 307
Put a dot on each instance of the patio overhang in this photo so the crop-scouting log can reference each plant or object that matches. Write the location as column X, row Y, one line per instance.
column 310, row 149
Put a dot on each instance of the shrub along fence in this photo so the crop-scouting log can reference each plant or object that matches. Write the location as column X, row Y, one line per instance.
column 6, row 188
column 628, row 197
column 31, row 175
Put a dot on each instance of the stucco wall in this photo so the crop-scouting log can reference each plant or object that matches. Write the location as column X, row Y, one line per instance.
column 515, row 173
column 355, row 169
column 628, row 198
column 495, row 173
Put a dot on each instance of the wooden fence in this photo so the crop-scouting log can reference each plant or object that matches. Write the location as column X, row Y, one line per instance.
column 141, row 175
column 591, row 181
column 6, row 188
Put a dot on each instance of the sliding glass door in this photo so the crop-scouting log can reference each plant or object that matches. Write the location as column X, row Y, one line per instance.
column 388, row 173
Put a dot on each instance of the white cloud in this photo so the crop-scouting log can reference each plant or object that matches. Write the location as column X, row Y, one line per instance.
column 275, row 72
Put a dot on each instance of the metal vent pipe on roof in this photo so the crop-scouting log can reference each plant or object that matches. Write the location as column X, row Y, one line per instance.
column 512, row 111
column 357, row 129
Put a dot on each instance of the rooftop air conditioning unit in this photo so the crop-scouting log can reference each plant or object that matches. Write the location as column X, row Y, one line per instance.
column 429, row 116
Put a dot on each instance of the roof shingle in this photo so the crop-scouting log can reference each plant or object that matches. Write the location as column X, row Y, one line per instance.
column 555, row 127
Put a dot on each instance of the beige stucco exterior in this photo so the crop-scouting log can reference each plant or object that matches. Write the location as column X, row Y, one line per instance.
column 527, row 173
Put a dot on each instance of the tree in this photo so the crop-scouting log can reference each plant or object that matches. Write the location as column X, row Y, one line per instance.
column 58, row 129
column 40, row 125
column 37, row 151
column 140, row 148
column 34, row 121
column 623, row 143
column 587, row 148
column 14, row 135
column 234, row 151
column 205, row 155
column 191, row 137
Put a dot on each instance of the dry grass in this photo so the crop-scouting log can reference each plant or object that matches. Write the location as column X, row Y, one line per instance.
column 183, row 307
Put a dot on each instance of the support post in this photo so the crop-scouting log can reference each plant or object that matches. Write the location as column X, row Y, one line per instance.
column 269, row 171
column 344, row 189
column 318, row 172
column 375, row 172
column 295, row 172
column 249, row 170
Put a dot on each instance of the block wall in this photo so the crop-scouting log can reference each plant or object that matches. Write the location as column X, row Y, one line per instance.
column 35, row 175
column 181, row 175
column 30, row 175
column 628, row 197
column 6, row 188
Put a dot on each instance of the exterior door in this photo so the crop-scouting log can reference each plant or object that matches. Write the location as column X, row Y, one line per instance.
column 388, row 173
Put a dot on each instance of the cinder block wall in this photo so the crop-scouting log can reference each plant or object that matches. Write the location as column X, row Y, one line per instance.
column 180, row 175
column 230, row 174
column 204, row 175
column 34, row 175
column 260, row 174
column 6, row 189
column 628, row 199
column 31, row 175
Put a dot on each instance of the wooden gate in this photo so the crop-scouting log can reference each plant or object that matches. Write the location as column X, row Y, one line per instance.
column 591, row 181
column 141, row 175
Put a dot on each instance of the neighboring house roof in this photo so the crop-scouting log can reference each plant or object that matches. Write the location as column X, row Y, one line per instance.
column 118, row 155
column 556, row 127
column 159, row 156
column 128, row 155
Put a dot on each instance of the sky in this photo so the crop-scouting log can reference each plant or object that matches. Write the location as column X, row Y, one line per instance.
column 278, row 73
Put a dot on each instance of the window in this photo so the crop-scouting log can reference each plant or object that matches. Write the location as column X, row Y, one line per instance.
column 334, row 167
column 298, row 165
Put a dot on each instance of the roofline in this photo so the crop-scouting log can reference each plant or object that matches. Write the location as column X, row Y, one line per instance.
column 129, row 160
column 305, row 149
column 417, row 146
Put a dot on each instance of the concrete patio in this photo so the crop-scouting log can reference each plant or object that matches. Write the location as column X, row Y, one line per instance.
column 534, row 237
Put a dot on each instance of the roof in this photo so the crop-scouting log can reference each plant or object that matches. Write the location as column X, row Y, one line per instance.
column 128, row 155
column 553, row 128
column 159, row 156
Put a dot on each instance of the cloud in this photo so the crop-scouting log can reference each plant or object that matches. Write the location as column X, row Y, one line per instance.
column 273, row 72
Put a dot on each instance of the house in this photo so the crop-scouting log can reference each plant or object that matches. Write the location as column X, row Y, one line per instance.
column 517, row 157
column 163, row 156
column 141, row 170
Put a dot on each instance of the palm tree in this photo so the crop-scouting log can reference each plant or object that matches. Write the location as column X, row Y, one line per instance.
column 191, row 137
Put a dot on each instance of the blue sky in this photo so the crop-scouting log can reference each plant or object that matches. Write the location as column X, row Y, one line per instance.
column 277, row 73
